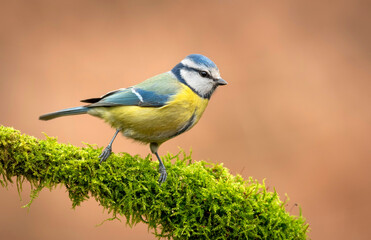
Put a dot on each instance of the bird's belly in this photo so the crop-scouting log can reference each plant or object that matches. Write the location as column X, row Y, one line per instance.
column 151, row 124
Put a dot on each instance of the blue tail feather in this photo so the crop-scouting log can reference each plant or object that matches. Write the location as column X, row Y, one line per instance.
column 64, row 112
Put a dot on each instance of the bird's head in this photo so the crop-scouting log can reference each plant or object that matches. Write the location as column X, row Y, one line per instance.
column 200, row 74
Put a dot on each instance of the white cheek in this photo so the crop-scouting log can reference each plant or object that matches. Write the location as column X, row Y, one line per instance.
column 198, row 83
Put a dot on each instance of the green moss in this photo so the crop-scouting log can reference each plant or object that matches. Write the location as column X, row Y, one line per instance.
column 198, row 201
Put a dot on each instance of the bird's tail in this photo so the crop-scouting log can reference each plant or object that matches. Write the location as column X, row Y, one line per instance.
column 64, row 112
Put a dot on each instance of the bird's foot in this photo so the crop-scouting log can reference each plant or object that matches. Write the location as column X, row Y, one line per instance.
column 105, row 154
column 163, row 173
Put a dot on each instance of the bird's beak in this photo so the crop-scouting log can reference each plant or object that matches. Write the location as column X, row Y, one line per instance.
column 221, row 81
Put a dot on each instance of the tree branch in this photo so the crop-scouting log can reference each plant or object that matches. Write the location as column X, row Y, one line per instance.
column 198, row 200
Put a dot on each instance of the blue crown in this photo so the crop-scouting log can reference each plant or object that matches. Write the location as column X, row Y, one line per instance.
column 201, row 60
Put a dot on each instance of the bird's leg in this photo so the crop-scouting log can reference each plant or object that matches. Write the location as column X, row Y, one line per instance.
column 161, row 166
column 161, row 169
column 108, row 150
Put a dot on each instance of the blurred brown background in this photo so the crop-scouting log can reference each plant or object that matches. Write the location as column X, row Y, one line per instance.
column 296, row 111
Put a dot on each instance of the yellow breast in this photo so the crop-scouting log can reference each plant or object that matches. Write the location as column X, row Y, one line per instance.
column 151, row 124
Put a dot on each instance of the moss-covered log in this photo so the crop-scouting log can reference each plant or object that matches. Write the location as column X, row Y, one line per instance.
column 198, row 201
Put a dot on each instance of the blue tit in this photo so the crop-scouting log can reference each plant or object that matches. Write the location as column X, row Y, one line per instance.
column 158, row 109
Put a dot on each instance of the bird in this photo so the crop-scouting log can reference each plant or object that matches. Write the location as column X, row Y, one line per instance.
column 157, row 109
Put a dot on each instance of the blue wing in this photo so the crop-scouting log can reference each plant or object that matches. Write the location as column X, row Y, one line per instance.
column 154, row 92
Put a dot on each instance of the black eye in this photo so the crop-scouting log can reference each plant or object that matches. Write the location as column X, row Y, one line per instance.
column 204, row 74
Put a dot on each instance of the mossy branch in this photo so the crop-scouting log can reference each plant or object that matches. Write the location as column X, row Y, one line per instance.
column 198, row 201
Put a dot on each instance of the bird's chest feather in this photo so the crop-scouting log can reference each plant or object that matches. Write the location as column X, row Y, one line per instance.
column 151, row 124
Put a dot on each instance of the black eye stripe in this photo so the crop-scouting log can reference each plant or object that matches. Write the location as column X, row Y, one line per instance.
column 204, row 74
column 199, row 72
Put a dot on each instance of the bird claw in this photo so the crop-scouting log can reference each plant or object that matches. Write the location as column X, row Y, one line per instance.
column 163, row 174
column 105, row 154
